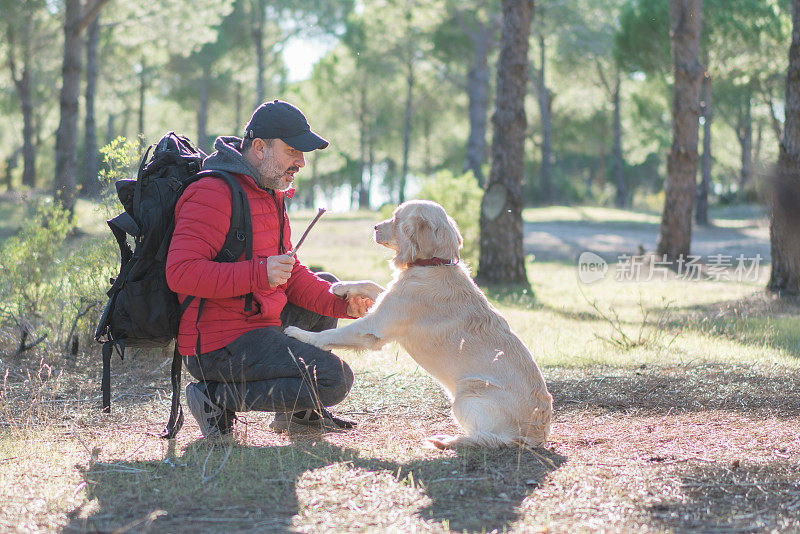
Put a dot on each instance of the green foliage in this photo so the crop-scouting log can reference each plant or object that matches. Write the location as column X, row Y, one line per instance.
column 119, row 157
column 49, row 282
column 30, row 260
column 461, row 197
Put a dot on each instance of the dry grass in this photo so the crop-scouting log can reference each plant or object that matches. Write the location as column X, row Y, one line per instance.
column 699, row 447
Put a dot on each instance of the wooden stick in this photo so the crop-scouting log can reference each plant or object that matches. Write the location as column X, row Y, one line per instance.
column 310, row 226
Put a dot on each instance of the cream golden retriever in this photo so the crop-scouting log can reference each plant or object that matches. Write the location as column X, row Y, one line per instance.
column 434, row 310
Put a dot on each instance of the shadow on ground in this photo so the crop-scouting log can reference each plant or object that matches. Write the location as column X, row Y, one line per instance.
column 235, row 487
column 734, row 498
column 677, row 389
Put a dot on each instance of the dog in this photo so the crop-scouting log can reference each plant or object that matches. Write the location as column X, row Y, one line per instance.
column 435, row 311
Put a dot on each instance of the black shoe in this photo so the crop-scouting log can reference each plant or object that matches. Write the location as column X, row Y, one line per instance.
column 213, row 420
column 322, row 419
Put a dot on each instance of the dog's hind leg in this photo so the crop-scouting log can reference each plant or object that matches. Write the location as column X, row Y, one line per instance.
column 485, row 422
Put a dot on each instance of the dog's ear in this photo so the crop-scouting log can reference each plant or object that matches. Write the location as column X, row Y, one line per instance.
column 451, row 240
column 415, row 238
column 425, row 237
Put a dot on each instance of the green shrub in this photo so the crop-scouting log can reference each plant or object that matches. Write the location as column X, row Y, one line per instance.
column 29, row 261
column 54, row 286
column 461, row 197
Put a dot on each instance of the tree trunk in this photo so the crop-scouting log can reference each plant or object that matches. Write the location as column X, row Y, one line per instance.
column 478, row 95
column 202, row 110
column 502, row 259
column 259, row 21
column 744, row 132
column 110, row 127
column 785, row 220
column 28, row 141
column 676, row 223
column 622, row 197
column 363, row 184
column 701, row 211
column 22, row 84
column 409, row 113
column 239, row 122
column 545, row 99
column 142, row 91
column 91, row 156
column 67, row 133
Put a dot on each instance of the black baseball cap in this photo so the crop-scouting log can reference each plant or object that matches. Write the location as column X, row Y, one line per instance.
column 281, row 120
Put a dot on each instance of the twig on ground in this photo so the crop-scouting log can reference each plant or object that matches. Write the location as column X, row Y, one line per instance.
column 219, row 469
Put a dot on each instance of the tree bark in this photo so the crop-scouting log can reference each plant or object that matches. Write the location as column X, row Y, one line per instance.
column 110, row 127
column 502, row 259
column 91, row 156
column 744, row 132
column 478, row 95
column 202, row 109
column 409, row 113
column 785, row 219
column 67, row 134
column 142, row 93
column 701, row 210
column 22, row 84
column 363, row 184
column 676, row 222
column 259, row 21
column 622, row 198
column 545, row 100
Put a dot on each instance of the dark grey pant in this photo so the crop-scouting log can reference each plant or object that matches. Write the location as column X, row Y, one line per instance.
column 265, row 370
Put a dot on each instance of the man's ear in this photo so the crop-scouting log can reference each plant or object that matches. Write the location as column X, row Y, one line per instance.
column 258, row 147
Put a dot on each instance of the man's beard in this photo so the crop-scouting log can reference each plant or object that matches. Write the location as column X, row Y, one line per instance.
column 271, row 176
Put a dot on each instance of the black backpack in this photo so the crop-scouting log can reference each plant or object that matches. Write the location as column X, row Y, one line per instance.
column 142, row 311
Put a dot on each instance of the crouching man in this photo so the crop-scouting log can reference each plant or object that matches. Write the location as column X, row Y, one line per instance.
column 238, row 353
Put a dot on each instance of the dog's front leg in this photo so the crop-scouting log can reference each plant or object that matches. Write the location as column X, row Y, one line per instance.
column 360, row 334
column 360, row 288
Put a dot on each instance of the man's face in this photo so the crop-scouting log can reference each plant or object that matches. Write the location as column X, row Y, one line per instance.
column 278, row 165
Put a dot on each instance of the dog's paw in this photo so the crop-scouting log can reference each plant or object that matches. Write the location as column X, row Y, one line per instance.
column 361, row 288
column 441, row 441
column 300, row 334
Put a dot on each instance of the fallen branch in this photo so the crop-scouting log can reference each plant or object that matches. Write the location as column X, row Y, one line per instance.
column 25, row 331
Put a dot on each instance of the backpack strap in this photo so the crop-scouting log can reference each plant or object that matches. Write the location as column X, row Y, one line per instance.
column 176, row 411
column 105, row 383
column 122, row 225
column 239, row 239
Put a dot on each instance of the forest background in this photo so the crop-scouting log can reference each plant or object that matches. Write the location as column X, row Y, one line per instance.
column 402, row 88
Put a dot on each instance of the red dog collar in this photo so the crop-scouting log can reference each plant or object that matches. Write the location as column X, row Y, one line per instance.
column 433, row 261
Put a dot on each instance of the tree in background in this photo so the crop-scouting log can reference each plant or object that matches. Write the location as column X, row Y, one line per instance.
column 675, row 237
column 470, row 31
column 77, row 17
column 91, row 154
column 785, row 219
column 26, row 35
column 502, row 258
column 587, row 43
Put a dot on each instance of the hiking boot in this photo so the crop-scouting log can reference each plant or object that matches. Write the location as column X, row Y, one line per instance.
column 213, row 420
column 321, row 419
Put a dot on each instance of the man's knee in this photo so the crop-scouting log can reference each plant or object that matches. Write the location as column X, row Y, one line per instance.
column 338, row 386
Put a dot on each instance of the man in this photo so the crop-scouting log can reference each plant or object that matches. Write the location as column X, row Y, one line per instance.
column 239, row 353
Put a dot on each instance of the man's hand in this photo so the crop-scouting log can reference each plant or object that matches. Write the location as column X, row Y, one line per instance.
column 358, row 306
column 279, row 269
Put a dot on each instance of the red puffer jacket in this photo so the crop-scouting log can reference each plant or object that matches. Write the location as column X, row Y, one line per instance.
column 202, row 219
